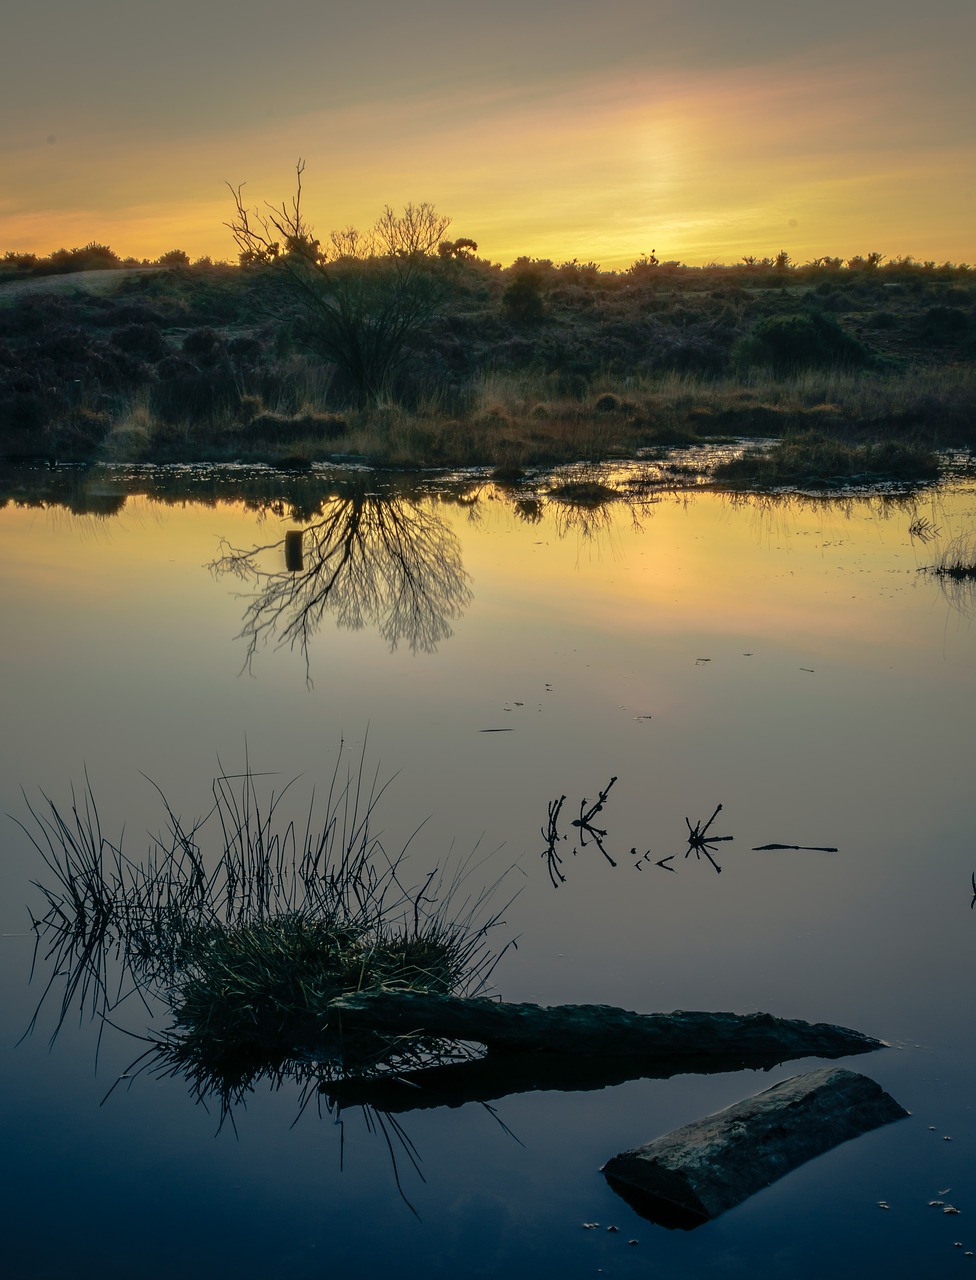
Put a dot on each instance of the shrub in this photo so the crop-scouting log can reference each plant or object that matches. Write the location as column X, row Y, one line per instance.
column 522, row 299
column 78, row 436
column 807, row 339
column 247, row 349
column 93, row 257
column 200, row 342
column 143, row 340
column 22, row 415
column 608, row 403
column 187, row 394
column 314, row 426
column 945, row 323
column 175, row 258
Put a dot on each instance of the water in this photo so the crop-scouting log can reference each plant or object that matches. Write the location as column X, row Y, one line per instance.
column 782, row 657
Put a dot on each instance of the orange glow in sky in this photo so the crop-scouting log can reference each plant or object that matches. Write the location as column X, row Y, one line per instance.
column 704, row 131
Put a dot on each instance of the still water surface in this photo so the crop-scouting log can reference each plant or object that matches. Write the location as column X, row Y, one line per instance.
column 783, row 657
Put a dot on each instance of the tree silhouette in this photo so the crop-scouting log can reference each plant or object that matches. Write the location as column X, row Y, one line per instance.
column 362, row 296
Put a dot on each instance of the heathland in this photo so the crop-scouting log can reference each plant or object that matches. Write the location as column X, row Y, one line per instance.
column 435, row 357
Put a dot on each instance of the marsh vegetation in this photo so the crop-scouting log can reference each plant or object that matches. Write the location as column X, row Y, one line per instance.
column 399, row 348
column 247, row 927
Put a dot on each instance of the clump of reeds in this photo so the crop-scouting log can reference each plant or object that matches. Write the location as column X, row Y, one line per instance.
column 814, row 458
column 958, row 559
column 584, row 493
column 249, row 948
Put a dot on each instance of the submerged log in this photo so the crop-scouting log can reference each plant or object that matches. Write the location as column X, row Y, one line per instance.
column 699, row 1171
column 593, row 1029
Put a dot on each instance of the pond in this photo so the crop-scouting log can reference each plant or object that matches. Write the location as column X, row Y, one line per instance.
column 491, row 649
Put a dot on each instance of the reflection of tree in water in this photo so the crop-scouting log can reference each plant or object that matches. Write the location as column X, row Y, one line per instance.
column 370, row 560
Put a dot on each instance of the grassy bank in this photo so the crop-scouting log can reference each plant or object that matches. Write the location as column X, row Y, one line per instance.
column 191, row 365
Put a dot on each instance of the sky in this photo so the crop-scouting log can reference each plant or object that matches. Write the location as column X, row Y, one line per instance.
column 706, row 130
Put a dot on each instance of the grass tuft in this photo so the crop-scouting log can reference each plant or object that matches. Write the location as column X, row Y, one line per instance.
column 815, row 458
column 958, row 559
column 248, row 950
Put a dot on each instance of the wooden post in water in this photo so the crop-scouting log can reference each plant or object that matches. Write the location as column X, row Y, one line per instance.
column 294, row 559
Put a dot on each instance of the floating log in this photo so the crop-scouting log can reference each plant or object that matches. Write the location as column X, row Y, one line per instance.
column 699, row 1171
column 592, row 1029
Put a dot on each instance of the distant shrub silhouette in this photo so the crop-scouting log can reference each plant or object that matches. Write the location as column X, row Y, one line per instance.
column 93, row 257
column 463, row 249
column 175, row 258
column 19, row 261
column 522, row 299
column 805, row 340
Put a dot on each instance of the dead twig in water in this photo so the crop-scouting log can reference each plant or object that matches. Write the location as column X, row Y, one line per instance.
column 585, row 821
column 698, row 841
column 661, row 862
column 552, row 837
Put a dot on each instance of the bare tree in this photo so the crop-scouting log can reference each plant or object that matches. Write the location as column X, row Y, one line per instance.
column 362, row 296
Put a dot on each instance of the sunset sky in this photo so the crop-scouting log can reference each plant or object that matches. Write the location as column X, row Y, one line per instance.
column 704, row 129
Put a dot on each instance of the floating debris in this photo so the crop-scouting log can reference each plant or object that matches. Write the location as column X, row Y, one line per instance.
column 698, row 841
column 552, row 837
column 806, row 848
column 585, row 821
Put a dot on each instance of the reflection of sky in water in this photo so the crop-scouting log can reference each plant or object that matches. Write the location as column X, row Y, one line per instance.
column 848, row 724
